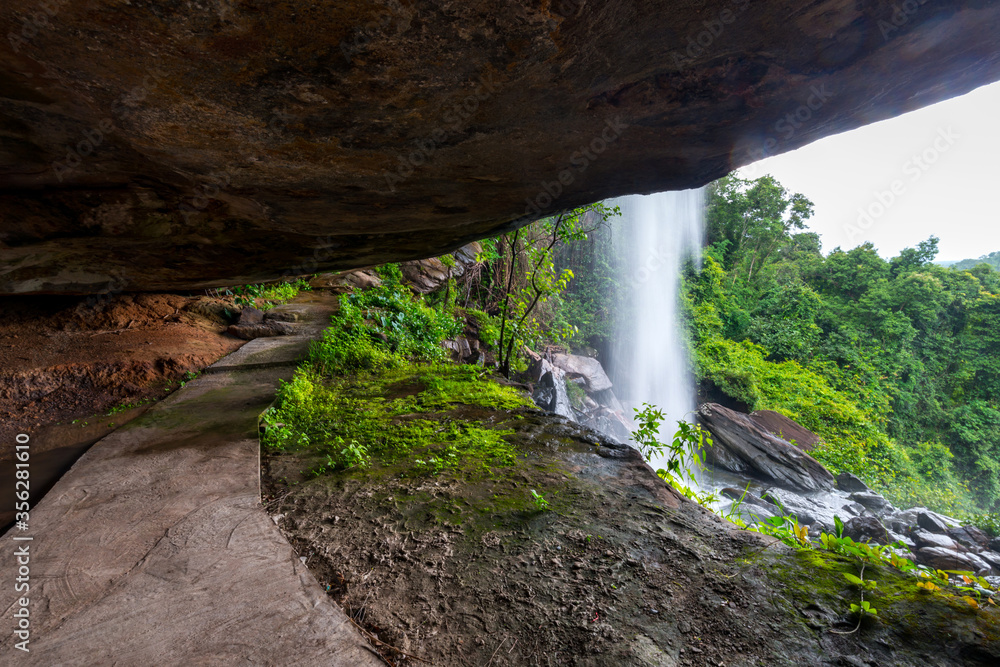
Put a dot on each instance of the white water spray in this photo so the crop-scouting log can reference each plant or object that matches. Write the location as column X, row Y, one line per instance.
column 655, row 236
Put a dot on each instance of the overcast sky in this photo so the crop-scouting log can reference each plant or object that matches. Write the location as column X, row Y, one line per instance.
column 941, row 161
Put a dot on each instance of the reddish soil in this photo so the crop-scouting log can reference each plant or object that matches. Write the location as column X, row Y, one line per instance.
column 64, row 359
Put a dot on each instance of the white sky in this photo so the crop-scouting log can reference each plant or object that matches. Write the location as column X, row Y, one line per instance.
column 956, row 198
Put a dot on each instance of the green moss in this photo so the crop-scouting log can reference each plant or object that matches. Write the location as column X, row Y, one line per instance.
column 343, row 422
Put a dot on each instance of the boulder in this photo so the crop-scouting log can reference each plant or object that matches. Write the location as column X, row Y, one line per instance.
column 741, row 446
column 908, row 518
column 587, row 368
column 250, row 315
column 929, row 521
column 867, row 529
column 874, row 502
column 904, row 540
column 979, row 566
column 429, row 275
column 264, row 330
column 993, row 558
column 851, row 484
column 806, row 511
column 785, row 428
column 925, row 538
column 995, row 544
column 946, row 559
column 550, row 390
column 345, row 281
column 969, row 536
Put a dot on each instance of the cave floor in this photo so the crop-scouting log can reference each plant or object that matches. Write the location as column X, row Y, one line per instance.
column 154, row 548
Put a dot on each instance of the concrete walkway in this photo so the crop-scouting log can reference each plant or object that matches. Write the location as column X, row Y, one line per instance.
column 154, row 550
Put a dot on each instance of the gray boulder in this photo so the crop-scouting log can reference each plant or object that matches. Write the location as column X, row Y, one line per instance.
column 851, row 484
column 993, row 558
column 929, row 521
column 995, row 544
column 970, row 537
column 787, row 429
column 807, row 512
column 925, row 538
column 867, row 529
column 575, row 366
column 873, row 502
column 946, row 559
column 741, row 446
column 908, row 518
column 550, row 390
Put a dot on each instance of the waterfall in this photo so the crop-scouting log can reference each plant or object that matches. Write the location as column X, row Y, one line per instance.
column 649, row 360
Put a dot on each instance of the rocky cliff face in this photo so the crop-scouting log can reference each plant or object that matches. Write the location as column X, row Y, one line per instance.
column 153, row 145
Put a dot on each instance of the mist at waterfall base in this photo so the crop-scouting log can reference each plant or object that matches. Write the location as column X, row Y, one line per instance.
column 648, row 361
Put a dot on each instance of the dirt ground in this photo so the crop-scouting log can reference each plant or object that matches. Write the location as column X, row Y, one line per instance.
column 75, row 358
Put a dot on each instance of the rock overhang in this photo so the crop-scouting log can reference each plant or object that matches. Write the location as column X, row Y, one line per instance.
column 157, row 145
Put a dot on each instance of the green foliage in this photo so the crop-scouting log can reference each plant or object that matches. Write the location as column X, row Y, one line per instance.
column 524, row 319
column 266, row 297
column 390, row 274
column 894, row 363
column 991, row 260
column 987, row 521
column 351, row 421
column 379, row 328
column 684, row 453
column 488, row 326
column 575, row 393
column 541, row 504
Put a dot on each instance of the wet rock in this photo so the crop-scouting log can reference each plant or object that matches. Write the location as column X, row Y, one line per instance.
column 904, row 540
column 930, row 522
column 590, row 370
column 993, row 558
column 851, row 484
column 995, row 544
column 550, row 390
column 867, row 529
column 969, row 536
column 250, row 315
column 787, row 429
column 460, row 348
column 874, row 502
column 265, row 330
column 854, row 509
column 743, row 447
column 946, row 559
column 980, row 566
column 908, row 518
column 805, row 510
column 430, row 275
column 608, row 399
column 608, row 422
column 924, row 538
column 341, row 282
